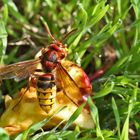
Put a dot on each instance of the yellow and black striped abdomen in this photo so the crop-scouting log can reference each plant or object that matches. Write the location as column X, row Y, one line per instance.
column 46, row 90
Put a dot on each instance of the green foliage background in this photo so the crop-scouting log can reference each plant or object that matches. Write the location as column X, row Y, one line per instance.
column 100, row 25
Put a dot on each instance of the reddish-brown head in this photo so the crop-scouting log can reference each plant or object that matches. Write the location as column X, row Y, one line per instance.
column 53, row 54
column 60, row 49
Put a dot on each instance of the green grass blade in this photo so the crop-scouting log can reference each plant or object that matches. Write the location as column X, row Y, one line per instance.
column 18, row 137
column 124, row 135
column 14, row 11
column 99, row 38
column 74, row 117
column 3, row 135
column 98, row 14
column 136, row 7
column 125, row 130
column 3, row 40
column 5, row 13
column 12, row 55
column 82, row 20
column 49, row 2
column 105, row 90
column 118, row 66
column 95, row 117
column 119, row 7
column 82, row 16
column 117, row 116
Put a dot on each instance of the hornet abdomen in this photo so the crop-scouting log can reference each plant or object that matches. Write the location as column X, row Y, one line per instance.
column 46, row 90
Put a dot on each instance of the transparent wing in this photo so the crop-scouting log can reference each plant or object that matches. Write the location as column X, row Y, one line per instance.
column 68, row 85
column 18, row 71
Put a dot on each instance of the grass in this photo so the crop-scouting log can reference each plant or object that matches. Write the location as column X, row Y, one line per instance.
column 107, row 39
